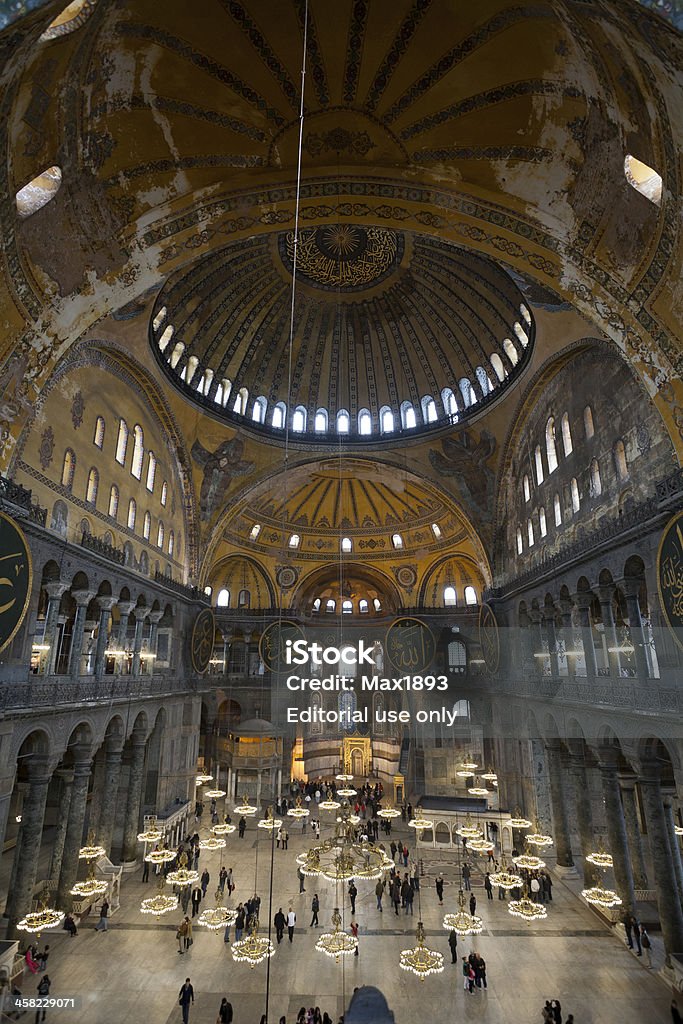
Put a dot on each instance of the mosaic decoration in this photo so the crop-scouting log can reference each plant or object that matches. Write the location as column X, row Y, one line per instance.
column 345, row 256
column 77, row 409
column 16, row 574
column 47, row 447
column 469, row 459
column 286, row 577
column 670, row 576
column 338, row 140
column 406, row 576
column 220, row 468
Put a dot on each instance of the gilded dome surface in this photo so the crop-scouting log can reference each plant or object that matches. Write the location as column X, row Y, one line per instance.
column 393, row 331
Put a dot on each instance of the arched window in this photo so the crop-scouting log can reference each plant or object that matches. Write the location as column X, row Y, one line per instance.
column 346, row 544
column 588, row 422
column 450, row 405
column 530, row 532
column 347, row 607
column 386, row 420
column 132, row 512
column 550, row 448
column 138, row 452
column 258, row 413
column 279, row 414
column 499, row 369
column 147, row 526
column 364, row 422
column 98, row 439
column 620, row 461
column 204, row 385
column 377, row 604
column 164, row 493
column 68, row 469
column 93, row 484
column 294, row 540
column 330, row 605
column 436, row 530
column 408, row 419
column 160, row 535
column 241, row 402
column 316, row 605
column 397, row 541
column 576, row 500
column 484, row 380
column 543, row 526
column 159, row 318
column 113, row 501
column 557, row 506
column 189, row 370
column 223, row 599
column 223, row 392
column 470, row 596
column 525, row 314
column 208, row 591
column 643, row 179
column 165, row 338
column 520, row 544
column 320, row 422
column 176, row 354
column 566, row 435
column 467, row 391
column 244, row 599
column 457, row 656
column 429, row 414
column 526, row 488
column 171, row 542
column 299, row 420
column 363, row 606
column 151, row 470
column 38, row 192
column 343, row 422
column 510, row 351
column 450, row 599
column 254, row 532
column 538, row 458
column 596, row 482
column 122, row 442
column 521, row 334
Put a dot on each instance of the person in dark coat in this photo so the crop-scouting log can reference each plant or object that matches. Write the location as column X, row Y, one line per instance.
column 473, row 904
column 279, row 921
column 453, row 943
column 185, row 997
column 439, row 889
column 225, row 1012
column 315, row 907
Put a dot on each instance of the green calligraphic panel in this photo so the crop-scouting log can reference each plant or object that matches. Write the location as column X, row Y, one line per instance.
column 273, row 644
column 410, row 646
column 670, row 575
column 203, row 633
column 489, row 640
column 16, row 574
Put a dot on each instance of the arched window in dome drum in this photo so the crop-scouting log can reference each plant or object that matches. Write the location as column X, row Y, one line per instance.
column 526, row 488
column 550, row 448
column 377, row 604
column 347, row 607
column 190, row 369
column 159, row 318
column 364, row 422
column 520, row 543
column 408, row 419
column 258, row 413
column 526, row 315
column 566, row 435
column 466, row 391
column 207, row 380
column 320, row 422
column 164, row 493
column 471, row 596
column 113, row 501
column 223, row 392
column 557, row 508
column 510, row 352
column 244, row 599
column 483, row 379
column 177, row 352
column 530, row 532
column 521, row 334
column 588, row 426
column 68, row 468
column 620, row 461
column 499, row 369
column 543, row 526
column 346, row 544
column 299, row 420
column 39, row 191
column 241, row 402
column 429, row 413
column 122, row 442
column 316, row 605
column 576, row 499
column 343, row 422
column 596, row 482
column 171, row 542
column 160, row 535
column 208, row 591
column 330, row 605
column 146, row 526
column 450, row 405
column 397, row 541
column 223, row 599
column 132, row 513
column 138, row 452
column 538, row 459
column 450, row 599
column 279, row 414
column 386, row 420
column 93, row 484
column 294, row 540
column 151, row 470
column 165, row 338
column 98, row 439
column 363, row 606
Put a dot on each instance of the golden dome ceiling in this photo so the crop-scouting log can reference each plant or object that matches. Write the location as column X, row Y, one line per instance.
column 385, row 322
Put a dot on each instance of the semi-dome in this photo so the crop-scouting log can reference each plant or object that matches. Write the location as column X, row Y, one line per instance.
column 394, row 332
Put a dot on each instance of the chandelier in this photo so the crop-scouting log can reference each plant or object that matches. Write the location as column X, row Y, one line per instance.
column 419, row 822
column 341, row 857
column 217, row 917
column 527, row 909
column 344, row 778
column 160, row 903
column 215, row 794
column 506, row 879
column 162, row 856
column 329, row 805
column 90, row 886
column 269, row 822
column 466, row 769
column 539, row 838
column 600, row 859
column 517, row 821
column 212, row 843
column 388, row 812
column 298, row 811
column 603, row 898
column 489, row 776
column 253, row 950
column 347, row 791
column 463, row 923
column 479, row 845
column 152, row 833
column 90, row 851
column 528, row 861
column 245, row 808
column 336, row 943
column 476, row 790
column 203, row 777
column 41, row 919
column 421, row 960
column 223, row 829
column 183, row 875
column 469, row 830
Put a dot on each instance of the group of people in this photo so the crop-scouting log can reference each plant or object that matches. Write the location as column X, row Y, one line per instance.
column 637, row 937
column 473, row 971
column 552, row 1013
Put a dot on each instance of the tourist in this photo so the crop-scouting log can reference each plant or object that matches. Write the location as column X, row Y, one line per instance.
column 185, row 997
column 466, row 875
column 354, row 932
column 636, row 933
column 315, row 907
column 70, row 925
column 379, row 892
column 646, row 944
column 101, row 925
column 241, row 828
column 42, row 958
column 279, row 922
column 239, row 922
column 302, row 878
column 188, row 934
column 291, row 921
column 224, row 1012
column 181, row 936
column 488, row 886
column 43, row 992
column 222, row 878
column 439, row 889
column 353, row 892
column 473, row 904
column 205, row 879
column 453, row 943
column 30, row 959
column 196, row 899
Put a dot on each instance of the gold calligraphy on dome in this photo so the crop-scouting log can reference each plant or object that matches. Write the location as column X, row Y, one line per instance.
column 670, row 574
column 343, row 255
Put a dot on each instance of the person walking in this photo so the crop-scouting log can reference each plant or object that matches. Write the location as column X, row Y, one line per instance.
column 473, row 904
column 291, row 921
column 279, row 921
column 43, row 992
column 439, row 888
column 145, row 871
column 488, row 886
column 302, row 879
column 379, row 892
column 353, row 892
column 636, row 933
column 285, row 839
column 315, row 907
column 239, row 922
column 241, row 827
column 188, row 934
column 222, row 878
column 466, row 875
column 205, row 879
column 101, row 925
column 185, row 998
column 224, row 1012
column 453, row 943
column 196, row 900
column 181, row 935
column 646, row 944
column 354, row 932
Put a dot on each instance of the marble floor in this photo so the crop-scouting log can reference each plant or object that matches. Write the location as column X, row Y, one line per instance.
column 132, row 973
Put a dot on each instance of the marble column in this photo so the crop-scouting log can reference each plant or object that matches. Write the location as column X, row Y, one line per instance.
column 66, row 781
column 110, row 792
column 538, row 663
column 549, row 623
column 131, row 825
column 74, row 830
column 28, row 846
column 673, row 841
column 568, row 635
column 631, row 588
column 583, row 603
column 125, row 608
column 154, row 618
column 140, row 616
column 606, row 598
column 584, row 813
column 105, row 604
column 635, row 840
column 563, row 846
column 54, row 599
column 616, row 828
column 668, row 901
column 82, row 599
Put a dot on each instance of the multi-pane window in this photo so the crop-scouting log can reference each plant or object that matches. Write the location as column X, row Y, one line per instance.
column 98, row 439
column 138, row 452
column 68, row 469
column 122, row 442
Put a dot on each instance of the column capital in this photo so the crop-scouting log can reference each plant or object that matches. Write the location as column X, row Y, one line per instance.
column 606, row 592
column 631, row 586
column 106, row 603
column 40, row 768
column 82, row 769
column 583, row 599
column 140, row 613
column 82, row 597
column 155, row 617
column 627, row 781
column 535, row 615
column 609, row 758
column 126, row 607
column 649, row 771
column 55, row 589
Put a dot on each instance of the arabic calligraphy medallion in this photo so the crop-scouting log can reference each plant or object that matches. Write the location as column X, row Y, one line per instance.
column 273, row 643
column 410, row 646
column 203, row 634
column 670, row 576
column 16, row 575
column 489, row 639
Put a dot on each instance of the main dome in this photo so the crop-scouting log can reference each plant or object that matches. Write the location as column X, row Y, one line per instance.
column 394, row 333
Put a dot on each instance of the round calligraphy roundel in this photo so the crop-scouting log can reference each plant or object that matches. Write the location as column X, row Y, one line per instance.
column 273, row 644
column 489, row 640
column 16, row 576
column 670, row 576
column 203, row 633
column 410, row 646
